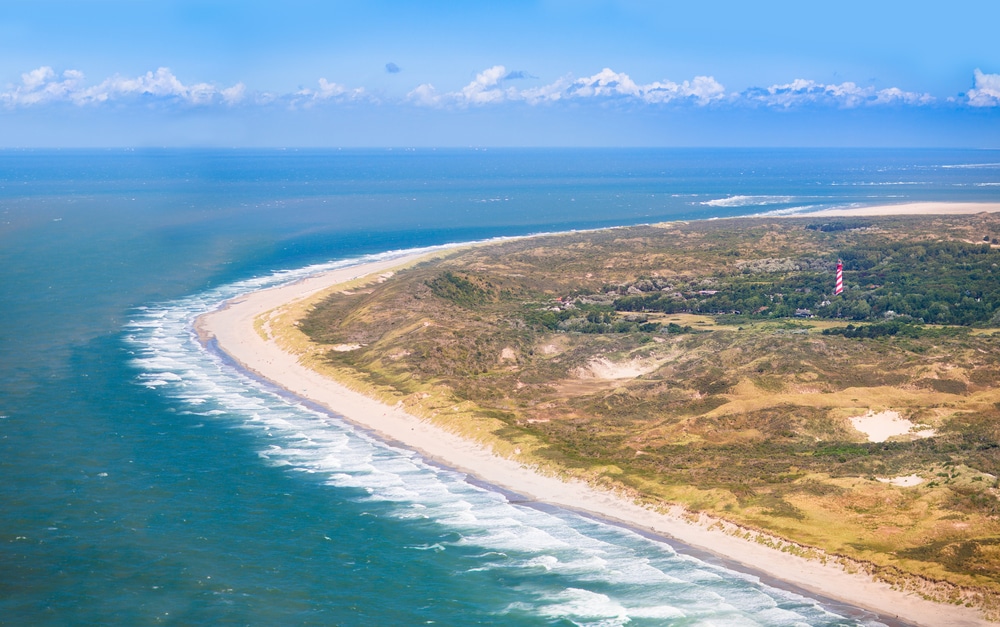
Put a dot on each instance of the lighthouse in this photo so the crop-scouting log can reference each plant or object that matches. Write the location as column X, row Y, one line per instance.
column 840, row 277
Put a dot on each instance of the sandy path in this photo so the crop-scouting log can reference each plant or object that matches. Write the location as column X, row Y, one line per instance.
column 232, row 328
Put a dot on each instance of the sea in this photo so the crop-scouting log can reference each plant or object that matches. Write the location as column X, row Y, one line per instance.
column 146, row 480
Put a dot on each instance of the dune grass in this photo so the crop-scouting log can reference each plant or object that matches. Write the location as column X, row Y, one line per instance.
column 741, row 414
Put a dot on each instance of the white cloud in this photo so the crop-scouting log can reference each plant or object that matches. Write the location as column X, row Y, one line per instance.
column 702, row 89
column 264, row 98
column 846, row 95
column 605, row 83
column 234, row 95
column 36, row 79
column 328, row 91
column 485, row 89
column 987, row 90
column 41, row 86
column 424, row 95
column 546, row 93
column 492, row 86
column 610, row 84
column 489, row 88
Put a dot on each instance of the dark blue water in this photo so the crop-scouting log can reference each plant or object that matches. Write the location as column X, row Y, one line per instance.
column 145, row 482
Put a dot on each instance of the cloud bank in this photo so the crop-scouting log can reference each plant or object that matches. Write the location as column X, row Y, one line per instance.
column 490, row 86
column 43, row 86
column 802, row 92
column 493, row 86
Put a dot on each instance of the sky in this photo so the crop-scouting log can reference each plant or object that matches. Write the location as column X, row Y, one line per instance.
column 298, row 73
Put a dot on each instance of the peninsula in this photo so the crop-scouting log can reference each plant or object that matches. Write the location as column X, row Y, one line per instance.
column 699, row 380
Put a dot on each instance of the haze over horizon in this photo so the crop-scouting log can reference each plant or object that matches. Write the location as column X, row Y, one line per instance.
column 549, row 73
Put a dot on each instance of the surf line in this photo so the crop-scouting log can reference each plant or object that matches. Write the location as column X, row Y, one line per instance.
column 234, row 335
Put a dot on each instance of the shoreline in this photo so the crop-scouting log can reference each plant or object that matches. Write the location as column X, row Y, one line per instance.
column 903, row 209
column 231, row 329
column 838, row 606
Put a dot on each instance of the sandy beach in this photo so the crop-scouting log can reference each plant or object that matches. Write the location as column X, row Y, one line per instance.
column 908, row 209
column 232, row 327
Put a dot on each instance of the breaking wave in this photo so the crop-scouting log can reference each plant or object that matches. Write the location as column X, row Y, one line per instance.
column 563, row 566
column 748, row 201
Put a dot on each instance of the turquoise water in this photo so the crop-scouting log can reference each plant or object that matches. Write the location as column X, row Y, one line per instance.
column 146, row 481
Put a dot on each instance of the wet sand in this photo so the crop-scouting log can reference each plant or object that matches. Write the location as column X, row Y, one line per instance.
column 232, row 329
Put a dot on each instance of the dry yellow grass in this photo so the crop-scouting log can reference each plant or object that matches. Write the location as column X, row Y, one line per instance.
column 746, row 421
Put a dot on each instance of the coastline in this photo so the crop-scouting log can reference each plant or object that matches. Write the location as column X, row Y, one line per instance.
column 233, row 330
column 906, row 209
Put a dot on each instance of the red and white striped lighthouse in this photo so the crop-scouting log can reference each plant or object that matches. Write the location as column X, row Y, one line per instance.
column 840, row 277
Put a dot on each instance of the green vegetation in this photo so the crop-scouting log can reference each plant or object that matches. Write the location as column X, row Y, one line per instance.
column 879, row 329
column 592, row 319
column 934, row 282
column 466, row 290
column 711, row 365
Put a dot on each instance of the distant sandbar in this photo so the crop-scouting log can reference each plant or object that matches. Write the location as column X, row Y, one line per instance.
column 908, row 209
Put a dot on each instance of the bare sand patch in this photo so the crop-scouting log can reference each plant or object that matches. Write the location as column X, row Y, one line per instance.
column 346, row 348
column 904, row 482
column 604, row 368
column 883, row 425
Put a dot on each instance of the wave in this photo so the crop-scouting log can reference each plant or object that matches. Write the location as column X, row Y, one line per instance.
column 788, row 211
column 879, row 183
column 747, row 201
column 970, row 166
column 568, row 567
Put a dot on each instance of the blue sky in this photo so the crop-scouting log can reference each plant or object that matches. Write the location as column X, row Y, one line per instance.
column 549, row 73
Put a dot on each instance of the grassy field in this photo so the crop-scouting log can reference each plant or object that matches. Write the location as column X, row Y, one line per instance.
column 709, row 365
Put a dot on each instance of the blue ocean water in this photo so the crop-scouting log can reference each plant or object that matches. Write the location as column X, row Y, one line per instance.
column 146, row 481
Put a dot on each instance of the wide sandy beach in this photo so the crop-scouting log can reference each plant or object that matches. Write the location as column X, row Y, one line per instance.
column 908, row 209
column 232, row 327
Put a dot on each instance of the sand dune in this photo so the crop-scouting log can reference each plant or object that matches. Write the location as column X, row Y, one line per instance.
column 233, row 329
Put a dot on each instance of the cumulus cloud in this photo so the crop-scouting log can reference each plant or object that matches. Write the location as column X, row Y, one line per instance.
column 986, row 93
column 327, row 91
column 424, row 95
column 610, row 84
column 485, row 88
column 546, row 93
column 234, row 95
column 489, row 88
column 605, row 83
column 846, row 95
column 43, row 86
column 701, row 89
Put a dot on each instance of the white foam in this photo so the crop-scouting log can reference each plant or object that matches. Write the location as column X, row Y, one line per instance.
column 748, row 201
column 880, row 183
column 788, row 211
column 635, row 577
column 970, row 166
